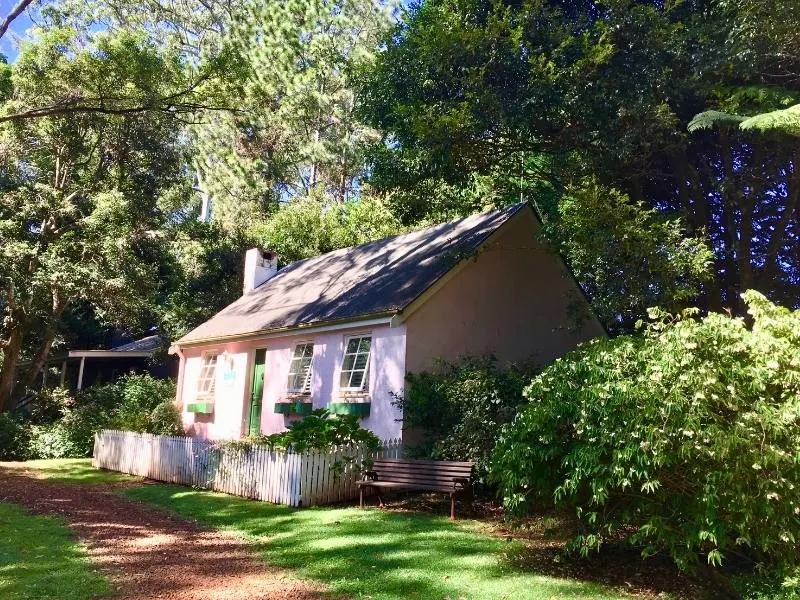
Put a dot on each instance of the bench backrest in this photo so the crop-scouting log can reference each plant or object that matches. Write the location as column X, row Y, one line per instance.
column 434, row 473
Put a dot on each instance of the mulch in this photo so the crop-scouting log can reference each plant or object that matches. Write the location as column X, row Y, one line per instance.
column 147, row 552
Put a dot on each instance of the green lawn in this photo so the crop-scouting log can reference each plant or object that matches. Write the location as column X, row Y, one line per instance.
column 39, row 559
column 67, row 470
column 373, row 554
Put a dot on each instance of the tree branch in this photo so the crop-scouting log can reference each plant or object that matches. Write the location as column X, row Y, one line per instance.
column 15, row 12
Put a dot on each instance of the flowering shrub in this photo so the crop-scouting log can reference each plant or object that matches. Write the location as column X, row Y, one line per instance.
column 683, row 439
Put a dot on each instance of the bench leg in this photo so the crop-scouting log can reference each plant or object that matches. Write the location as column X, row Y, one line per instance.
column 361, row 497
column 452, row 507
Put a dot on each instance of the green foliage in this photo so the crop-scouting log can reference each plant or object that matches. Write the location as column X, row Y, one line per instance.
column 49, row 404
column 72, row 435
column 165, row 419
column 14, row 437
column 786, row 121
column 713, row 118
column 81, row 217
column 478, row 90
column 682, row 439
column 295, row 131
column 134, row 403
column 139, row 404
column 319, row 431
column 625, row 256
column 308, row 226
column 461, row 405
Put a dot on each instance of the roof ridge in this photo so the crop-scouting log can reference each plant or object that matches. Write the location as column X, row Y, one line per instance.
column 511, row 209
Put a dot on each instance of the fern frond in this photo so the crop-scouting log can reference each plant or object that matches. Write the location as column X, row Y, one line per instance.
column 786, row 121
column 711, row 119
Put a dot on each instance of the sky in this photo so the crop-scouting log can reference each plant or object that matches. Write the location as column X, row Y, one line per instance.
column 8, row 44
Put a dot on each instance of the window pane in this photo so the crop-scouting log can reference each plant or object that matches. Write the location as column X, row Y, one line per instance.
column 352, row 345
column 349, row 360
column 357, row 379
column 361, row 362
column 364, row 344
column 344, row 380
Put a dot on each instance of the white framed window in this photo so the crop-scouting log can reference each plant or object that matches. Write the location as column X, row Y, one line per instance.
column 300, row 369
column 207, row 382
column 355, row 364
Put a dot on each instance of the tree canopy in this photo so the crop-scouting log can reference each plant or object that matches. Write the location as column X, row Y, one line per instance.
column 146, row 144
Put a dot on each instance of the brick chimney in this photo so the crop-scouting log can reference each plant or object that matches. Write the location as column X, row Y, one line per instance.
column 258, row 267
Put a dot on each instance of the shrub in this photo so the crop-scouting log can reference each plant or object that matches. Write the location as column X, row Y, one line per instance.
column 14, row 437
column 682, row 439
column 137, row 399
column 165, row 419
column 49, row 405
column 133, row 403
column 70, row 437
column 460, row 407
column 320, row 430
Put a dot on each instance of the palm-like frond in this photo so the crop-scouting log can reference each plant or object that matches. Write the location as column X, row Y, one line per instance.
column 713, row 118
column 786, row 120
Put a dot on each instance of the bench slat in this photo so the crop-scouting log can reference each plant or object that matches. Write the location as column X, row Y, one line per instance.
column 414, row 461
column 423, row 472
column 424, row 481
column 405, row 486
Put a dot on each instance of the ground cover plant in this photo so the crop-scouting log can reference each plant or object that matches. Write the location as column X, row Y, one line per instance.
column 39, row 560
column 682, row 440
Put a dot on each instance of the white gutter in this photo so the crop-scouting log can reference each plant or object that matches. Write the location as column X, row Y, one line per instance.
column 284, row 332
column 106, row 354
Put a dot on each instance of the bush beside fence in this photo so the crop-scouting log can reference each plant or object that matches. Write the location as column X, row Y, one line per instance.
column 282, row 477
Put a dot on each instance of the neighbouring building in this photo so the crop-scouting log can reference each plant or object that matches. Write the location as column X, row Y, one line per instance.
column 79, row 369
column 342, row 329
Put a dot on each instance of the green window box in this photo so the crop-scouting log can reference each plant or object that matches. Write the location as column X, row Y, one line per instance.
column 359, row 409
column 293, row 408
column 201, row 408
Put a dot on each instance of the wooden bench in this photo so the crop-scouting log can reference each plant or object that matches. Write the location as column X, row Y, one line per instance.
column 451, row 477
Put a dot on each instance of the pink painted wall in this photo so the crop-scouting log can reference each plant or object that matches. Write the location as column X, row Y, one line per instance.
column 511, row 301
column 234, row 372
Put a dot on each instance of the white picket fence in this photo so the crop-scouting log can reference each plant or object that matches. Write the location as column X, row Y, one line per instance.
column 292, row 478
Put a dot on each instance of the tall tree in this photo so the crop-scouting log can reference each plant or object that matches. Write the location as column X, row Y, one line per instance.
column 80, row 211
column 559, row 92
column 296, row 130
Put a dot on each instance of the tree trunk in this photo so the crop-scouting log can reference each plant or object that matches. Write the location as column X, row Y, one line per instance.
column 8, row 369
column 39, row 360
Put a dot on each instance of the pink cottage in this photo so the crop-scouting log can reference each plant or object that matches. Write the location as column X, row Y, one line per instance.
column 341, row 330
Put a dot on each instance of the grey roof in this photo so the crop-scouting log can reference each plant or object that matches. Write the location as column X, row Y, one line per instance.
column 151, row 343
column 374, row 279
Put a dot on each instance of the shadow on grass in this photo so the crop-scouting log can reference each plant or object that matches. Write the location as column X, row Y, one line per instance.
column 38, row 559
column 373, row 553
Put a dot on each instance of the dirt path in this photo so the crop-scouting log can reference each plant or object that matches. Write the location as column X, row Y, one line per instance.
column 149, row 553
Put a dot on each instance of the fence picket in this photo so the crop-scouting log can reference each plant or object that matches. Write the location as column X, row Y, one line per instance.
column 280, row 477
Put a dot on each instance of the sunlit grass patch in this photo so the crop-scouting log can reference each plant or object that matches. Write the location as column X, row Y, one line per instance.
column 40, row 560
column 374, row 554
column 66, row 470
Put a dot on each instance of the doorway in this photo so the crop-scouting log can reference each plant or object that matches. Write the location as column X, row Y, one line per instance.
column 257, row 392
